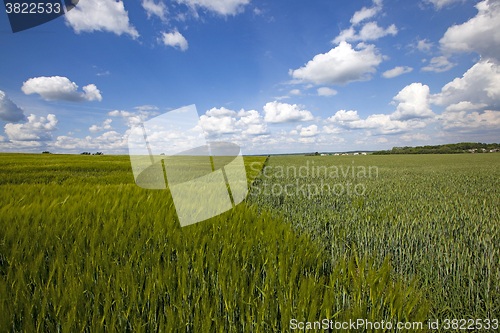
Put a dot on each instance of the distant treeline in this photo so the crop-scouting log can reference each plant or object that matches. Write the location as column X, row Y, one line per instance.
column 452, row 148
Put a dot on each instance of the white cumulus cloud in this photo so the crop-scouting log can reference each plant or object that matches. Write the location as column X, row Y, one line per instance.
column 480, row 34
column 340, row 65
column 174, row 39
column 422, row 45
column 475, row 121
column 375, row 124
column 276, row 112
column 439, row 64
column 221, row 7
column 132, row 118
column 413, row 103
column 309, row 131
column 36, row 129
column 252, row 123
column 222, row 112
column 366, row 13
column 106, row 125
column 100, row 15
column 442, row 3
column 465, row 106
column 57, row 88
column 479, row 85
column 343, row 116
column 107, row 141
column 417, row 136
column 217, row 122
column 396, row 71
column 370, row 31
column 157, row 9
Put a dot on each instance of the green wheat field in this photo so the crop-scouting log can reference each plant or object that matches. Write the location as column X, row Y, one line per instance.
column 83, row 249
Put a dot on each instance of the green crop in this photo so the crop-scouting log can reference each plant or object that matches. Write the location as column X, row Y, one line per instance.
column 436, row 216
column 83, row 249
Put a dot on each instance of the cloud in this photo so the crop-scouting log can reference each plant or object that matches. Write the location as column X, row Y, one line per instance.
column 155, row 9
column 219, row 113
column 471, row 122
column 417, row 136
column 343, row 116
column 413, row 103
column 366, row 13
column 216, row 122
column 396, row 71
column 346, row 34
column 422, row 45
column 465, row 106
column 132, row 118
column 276, row 112
column 330, row 129
column 325, row 91
column 36, row 129
column 117, row 113
column 309, row 131
column 215, row 126
column 107, row 141
column 370, row 31
column 106, row 125
column 307, row 139
column 252, row 123
column 479, row 85
column 57, row 88
column 10, row 111
column 100, row 15
column 375, row 124
column 146, row 107
column 439, row 64
column 221, row 7
column 174, row 39
column 295, row 92
column 279, row 98
column 480, row 34
column 340, row 65
column 442, row 3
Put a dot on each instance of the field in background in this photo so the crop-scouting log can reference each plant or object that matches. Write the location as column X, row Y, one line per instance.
column 83, row 249
column 436, row 216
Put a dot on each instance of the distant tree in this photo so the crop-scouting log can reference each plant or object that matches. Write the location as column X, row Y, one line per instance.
column 451, row 148
column 316, row 154
column 46, row 152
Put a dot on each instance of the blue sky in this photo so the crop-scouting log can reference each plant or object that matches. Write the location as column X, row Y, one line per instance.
column 275, row 77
